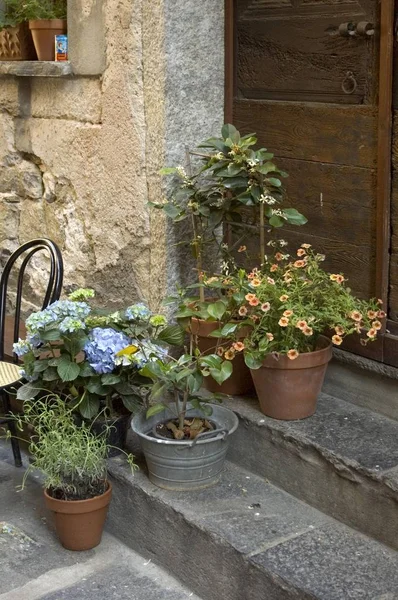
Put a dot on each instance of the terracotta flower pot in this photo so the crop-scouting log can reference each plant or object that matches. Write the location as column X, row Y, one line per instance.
column 16, row 43
column 43, row 33
column 240, row 382
column 79, row 523
column 288, row 389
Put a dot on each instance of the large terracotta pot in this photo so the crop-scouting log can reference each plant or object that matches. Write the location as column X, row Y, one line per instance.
column 43, row 33
column 16, row 44
column 288, row 389
column 79, row 523
column 240, row 382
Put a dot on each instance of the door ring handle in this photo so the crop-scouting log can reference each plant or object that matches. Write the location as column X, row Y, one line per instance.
column 349, row 85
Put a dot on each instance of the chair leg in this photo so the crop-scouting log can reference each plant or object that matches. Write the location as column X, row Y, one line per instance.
column 13, row 430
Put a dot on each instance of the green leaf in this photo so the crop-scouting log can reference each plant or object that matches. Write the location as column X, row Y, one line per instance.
column 154, row 410
column 235, row 183
column 123, row 388
column 50, row 374
column 231, row 171
column 222, row 374
column 276, row 221
column 194, row 382
column 206, row 409
column 89, row 406
column 167, row 171
column 294, row 217
column 229, row 131
column 52, row 335
column 53, row 362
column 253, row 361
column 86, row 369
column 95, row 387
column 216, row 333
column 68, row 370
column 274, row 181
column 216, row 310
column 110, row 379
column 171, row 211
column 132, row 402
column 28, row 391
column 40, row 365
column 228, row 329
column 158, row 390
column 173, row 334
column 268, row 167
column 212, row 360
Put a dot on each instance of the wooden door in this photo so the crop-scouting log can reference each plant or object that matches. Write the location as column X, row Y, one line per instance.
column 305, row 75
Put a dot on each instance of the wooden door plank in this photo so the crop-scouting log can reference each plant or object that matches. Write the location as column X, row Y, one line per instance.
column 326, row 133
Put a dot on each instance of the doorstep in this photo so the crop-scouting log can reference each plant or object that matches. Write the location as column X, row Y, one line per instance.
column 245, row 539
column 343, row 460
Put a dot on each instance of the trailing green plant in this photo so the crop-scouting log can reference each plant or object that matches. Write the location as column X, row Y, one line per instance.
column 71, row 458
column 18, row 11
column 92, row 358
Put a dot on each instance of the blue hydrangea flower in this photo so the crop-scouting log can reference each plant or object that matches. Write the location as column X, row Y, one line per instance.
column 35, row 340
column 22, row 347
column 138, row 312
column 29, row 378
column 69, row 325
column 102, row 347
column 56, row 312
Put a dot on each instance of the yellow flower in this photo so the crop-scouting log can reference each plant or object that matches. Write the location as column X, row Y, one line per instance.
column 284, row 297
column 301, row 324
column 287, row 313
column 301, row 252
column 274, row 268
column 377, row 325
column 292, row 354
column 238, row 346
column 336, row 339
column 269, row 337
column 372, row 333
column 242, row 311
column 250, row 297
column 283, row 322
column 372, row 314
column 308, row 331
column 220, row 351
column 339, row 330
column 306, row 246
column 299, row 264
column 255, row 282
column 230, row 354
column 356, row 315
column 333, row 277
column 271, row 281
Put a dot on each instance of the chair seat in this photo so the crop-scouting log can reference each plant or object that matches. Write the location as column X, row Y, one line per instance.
column 9, row 374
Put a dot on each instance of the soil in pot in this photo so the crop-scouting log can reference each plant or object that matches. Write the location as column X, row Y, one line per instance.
column 79, row 523
column 168, row 429
column 240, row 382
column 288, row 389
column 43, row 34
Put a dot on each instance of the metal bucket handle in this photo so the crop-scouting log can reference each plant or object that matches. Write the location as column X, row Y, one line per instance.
column 204, row 435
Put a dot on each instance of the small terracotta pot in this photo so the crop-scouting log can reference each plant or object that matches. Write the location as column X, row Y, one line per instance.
column 240, row 382
column 79, row 523
column 43, row 34
column 288, row 389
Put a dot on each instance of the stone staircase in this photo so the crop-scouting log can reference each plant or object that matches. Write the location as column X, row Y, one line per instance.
column 304, row 510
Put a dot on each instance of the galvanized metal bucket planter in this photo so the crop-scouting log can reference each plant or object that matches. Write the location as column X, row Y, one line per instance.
column 186, row 465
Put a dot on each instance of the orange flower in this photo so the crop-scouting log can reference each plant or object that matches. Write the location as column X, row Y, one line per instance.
column 220, row 351
column 269, row 337
column 372, row 333
column 306, row 246
column 339, row 330
column 380, row 301
column 372, row 314
column 381, row 314
column 242, row 249
column 271, row 281
column 242, row 311
column 274, row 268
column 250, row 275
column 250, row 297
column 229, row 355
column 278, row 256
column 283, row 322
column 292, row 354
column 254, row 301
column 238, row 346
column 255, row 282
column 265, row 306
column 301, row 324
column 288, row 280
column 299, row 264
column 336, row 339
column 301, row 252
column 377, row 325
column 254, row 318
column 287, row 313
column 308, row 331
column 340, row 279
column 284, row 297
column 356, row 315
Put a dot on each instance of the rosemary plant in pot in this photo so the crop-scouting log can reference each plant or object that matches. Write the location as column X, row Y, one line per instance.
column 228, row 179
column 183, row 435
column 73, row 462
column 292, row 305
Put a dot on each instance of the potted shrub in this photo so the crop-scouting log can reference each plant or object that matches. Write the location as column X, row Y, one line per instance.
column 73, row 462
column 234, row 185
column 184, row 437
column 15, row 38
column 291, row 304
column 47, row 18
column 81, row 353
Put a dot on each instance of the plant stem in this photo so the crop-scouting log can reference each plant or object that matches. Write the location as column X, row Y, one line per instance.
column 262, row 234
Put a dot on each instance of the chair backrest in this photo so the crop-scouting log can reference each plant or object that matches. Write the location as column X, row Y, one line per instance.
column 53, row 290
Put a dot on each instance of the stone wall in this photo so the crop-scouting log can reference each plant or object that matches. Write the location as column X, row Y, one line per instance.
column 80, row 155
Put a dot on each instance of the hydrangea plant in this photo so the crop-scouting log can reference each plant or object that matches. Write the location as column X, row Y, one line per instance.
column 91, row 358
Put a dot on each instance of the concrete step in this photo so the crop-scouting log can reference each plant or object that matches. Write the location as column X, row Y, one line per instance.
column 245, row 539
column 34, row 566
column 343, row 460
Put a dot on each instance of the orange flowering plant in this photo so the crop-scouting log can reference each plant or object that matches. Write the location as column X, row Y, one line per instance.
column 291, row 301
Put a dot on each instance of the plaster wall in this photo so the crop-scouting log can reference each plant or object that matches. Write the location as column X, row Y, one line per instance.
column 80, row 156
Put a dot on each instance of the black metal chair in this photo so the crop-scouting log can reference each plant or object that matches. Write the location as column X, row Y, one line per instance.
column 10, row 371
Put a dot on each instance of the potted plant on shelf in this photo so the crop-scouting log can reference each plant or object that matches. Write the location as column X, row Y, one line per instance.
column 15, row 38
column 81, row 353
column 184, row 437
column 73, row 462
column 47, row 18
column 234, row 185
column 292, row 304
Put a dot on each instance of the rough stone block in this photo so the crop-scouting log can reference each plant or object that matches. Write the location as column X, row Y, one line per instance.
column 9, row 96
column 76, row 99
column 86, row 31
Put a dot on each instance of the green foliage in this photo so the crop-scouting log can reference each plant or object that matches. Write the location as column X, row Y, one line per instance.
column 71, row 457
column 19, row 11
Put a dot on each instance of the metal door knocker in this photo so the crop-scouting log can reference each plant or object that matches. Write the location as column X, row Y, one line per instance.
column 349, row 84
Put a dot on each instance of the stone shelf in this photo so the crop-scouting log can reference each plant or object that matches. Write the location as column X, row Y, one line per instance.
column 35, row 68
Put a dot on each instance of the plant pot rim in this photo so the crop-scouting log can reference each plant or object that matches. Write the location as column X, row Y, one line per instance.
column 81, row 503
column 48, row 24
column 304, row 359
column 182, row 443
